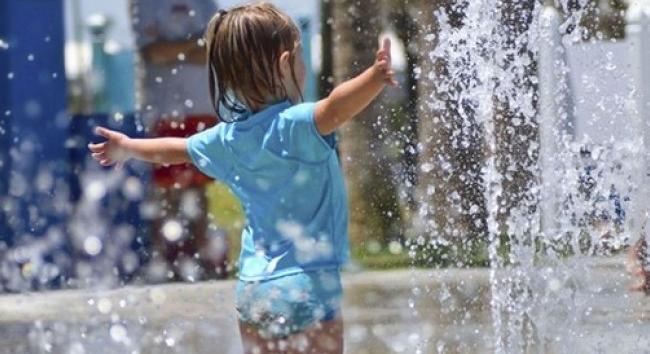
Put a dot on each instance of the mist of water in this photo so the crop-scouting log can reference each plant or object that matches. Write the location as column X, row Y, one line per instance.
column 549, row 192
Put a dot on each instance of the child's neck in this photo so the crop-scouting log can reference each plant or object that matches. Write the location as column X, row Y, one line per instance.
column 262, row 106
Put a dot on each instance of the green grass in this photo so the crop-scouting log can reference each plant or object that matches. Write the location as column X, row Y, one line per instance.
column 225, row 211
column 380, row 260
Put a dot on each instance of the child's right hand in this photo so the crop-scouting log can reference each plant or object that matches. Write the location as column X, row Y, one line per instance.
column 111, row 152
column 353, row 96
column 383, row 64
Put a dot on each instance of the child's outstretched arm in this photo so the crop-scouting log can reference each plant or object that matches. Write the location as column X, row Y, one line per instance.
column 119, row 148
column 353, row 96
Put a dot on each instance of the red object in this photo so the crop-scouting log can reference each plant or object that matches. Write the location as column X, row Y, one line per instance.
column 185, row 175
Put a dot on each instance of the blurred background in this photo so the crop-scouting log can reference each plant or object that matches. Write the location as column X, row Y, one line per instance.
column 67, row 222
column 89, row 226
column 505, row 175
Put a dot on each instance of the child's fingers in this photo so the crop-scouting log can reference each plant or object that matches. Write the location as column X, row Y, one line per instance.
column 391, row 82
column 97, row 147
column 390, row 78
column 384, row 52
column 386, row 46
column 383, row 64
column 106, row 162
column 98, row 156
column 106, row 133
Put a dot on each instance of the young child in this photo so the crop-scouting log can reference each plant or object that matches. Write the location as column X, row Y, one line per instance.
column 278, row 156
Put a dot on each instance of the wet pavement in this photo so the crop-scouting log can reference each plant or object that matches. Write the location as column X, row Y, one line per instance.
column 581, row 307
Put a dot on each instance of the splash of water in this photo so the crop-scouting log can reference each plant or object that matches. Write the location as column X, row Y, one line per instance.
column 548, row 193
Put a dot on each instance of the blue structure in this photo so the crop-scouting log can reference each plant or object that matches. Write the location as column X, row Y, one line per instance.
column 120, row 90
column 33, row 119
column 43, row 149
column 114, row 90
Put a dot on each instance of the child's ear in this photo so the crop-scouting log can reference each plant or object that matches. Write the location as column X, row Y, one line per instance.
column 285, row 64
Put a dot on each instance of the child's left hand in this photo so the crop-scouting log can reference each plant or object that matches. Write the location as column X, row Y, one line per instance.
column 383, row 64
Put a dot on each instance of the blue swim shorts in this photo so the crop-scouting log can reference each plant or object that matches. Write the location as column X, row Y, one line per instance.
column 290, row 304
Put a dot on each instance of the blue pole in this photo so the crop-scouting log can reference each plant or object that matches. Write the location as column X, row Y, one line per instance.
column 33, row 121
column 4, row 122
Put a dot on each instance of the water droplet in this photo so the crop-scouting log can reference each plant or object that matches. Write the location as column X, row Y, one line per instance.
column 395, row 247
column 132, row 189
column 118, row 333
column 92, row 245
column 373, row 246
column 417, row 72
column 104, row 306
column 172, row 230
column 27, row 270
column 554, row 285
column 118, row 117
column 95, row 190
column 426, row 167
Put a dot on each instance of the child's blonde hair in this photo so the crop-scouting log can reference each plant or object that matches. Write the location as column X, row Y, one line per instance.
column 244, row 47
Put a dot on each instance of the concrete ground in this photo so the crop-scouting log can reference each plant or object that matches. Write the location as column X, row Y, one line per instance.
column 581, row 307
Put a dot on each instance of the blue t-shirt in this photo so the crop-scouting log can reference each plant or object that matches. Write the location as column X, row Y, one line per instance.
column 289, row 181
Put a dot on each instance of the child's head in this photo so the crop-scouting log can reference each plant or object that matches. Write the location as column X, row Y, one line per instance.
column 254, row 53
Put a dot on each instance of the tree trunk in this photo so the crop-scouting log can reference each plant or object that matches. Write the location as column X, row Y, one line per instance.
column 374, row 210
column 326, row 77
column 450, row 189
column 403, row 20
column 516, row 126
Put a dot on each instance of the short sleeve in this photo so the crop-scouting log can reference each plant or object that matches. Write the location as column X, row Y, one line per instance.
column 299, row 132
column 209, row 153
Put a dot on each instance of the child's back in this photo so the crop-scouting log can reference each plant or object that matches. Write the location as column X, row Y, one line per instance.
column 288, row 179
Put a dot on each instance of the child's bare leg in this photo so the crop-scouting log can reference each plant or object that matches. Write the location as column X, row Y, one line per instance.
column 322, row 338
column 251, row 340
